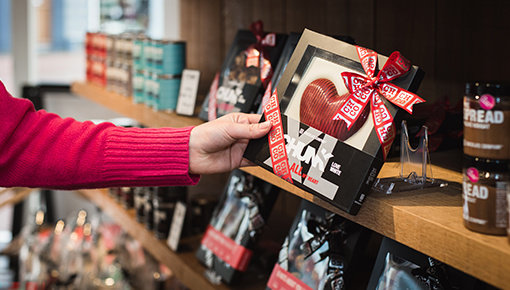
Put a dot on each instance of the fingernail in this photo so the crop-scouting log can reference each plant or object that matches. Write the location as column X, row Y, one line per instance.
column 265, row 125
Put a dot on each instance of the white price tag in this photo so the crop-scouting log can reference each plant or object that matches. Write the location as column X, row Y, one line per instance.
column 188, row 92
column 176, row 228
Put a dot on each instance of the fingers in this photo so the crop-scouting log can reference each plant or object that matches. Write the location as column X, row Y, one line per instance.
column 248, row 131
column 244, row 118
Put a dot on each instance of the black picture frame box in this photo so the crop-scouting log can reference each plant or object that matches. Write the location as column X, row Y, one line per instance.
column 339, row 172
column 270, row 193
column 248, row 95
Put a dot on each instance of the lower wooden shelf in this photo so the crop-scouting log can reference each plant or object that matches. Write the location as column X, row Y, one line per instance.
column 184, row 266
column 429, row 221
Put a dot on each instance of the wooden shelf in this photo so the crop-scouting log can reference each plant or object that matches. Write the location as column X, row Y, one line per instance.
column 183, row 265
column 429, row 221
column 125, row 106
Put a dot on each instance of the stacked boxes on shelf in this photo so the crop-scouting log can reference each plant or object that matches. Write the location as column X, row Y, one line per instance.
column 95, row 47
column 157, row 70
column 134, row 65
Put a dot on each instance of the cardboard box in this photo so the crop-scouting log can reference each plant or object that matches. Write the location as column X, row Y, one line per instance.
column 340, row 166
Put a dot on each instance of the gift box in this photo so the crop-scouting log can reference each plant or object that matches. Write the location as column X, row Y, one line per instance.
column 319, row 252
column 227, row 245
column 326, row 139
column 244, row 74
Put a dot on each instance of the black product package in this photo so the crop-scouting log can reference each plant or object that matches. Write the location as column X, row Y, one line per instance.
column 325, row 158
column 238, row 220
column 318, row 252
column 400, row 267
column 240, row 87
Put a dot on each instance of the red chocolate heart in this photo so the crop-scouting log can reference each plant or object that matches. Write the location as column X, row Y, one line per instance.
column 319, row 103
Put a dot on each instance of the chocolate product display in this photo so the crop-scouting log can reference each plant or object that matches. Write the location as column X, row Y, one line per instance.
column 139, row 202
column 487, row 120
column 484, row 193
column 127, row 197
column 400, row 267
column 318, row 252
column 238, row 220
column 326, row 159
column 240, row 86
column 163, row 203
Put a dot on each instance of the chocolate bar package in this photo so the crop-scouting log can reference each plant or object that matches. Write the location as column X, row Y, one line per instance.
column 325, row 157
column 400, row 267
column 319, row 251
column 226, row 248
column 240, row 85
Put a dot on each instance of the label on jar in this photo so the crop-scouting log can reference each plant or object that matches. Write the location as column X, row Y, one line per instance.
column 486, row 125
column 485, row 207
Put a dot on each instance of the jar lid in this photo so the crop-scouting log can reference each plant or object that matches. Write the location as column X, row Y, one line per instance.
column 484, row 164
column 480, row 88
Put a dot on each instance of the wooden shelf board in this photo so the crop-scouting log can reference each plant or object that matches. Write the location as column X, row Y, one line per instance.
column 183, row 265
column 429, row 221
column 125, row 106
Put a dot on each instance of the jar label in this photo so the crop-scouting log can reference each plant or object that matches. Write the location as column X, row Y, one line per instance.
column 485, row 128
column 487, row 102
column 485, row 206
column 472, row 174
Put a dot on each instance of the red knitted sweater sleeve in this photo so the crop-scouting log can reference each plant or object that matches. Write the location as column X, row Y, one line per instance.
column 40, row 149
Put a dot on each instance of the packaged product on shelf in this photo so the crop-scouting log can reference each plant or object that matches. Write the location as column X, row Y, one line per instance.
column 164, row 203
column 485, row 184
column 244, row 74
column 165, row 91
column 226, row 248
column 400, row 267
column 288, row 49
column 139, row 77
column 337, row 103
column 487, row 120
column 169, row 57
column 318, row 252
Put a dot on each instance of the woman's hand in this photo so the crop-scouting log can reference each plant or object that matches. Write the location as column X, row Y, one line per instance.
column 218, row 146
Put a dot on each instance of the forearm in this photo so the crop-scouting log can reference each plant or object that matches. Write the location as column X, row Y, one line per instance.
column 40, row 149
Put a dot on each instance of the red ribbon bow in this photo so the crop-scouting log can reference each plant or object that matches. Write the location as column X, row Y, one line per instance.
column 367, row 88
column 257, row 53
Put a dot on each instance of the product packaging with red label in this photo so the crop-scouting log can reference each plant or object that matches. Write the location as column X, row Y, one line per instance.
column 228, row 242
column 337, row 104
column 246, row 71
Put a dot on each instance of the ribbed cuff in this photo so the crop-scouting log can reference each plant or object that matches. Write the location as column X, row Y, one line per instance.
column 148, row 157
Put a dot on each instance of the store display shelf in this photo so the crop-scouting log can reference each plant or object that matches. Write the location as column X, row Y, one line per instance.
column 125, row 106
column 429, row 220
column 184, row 265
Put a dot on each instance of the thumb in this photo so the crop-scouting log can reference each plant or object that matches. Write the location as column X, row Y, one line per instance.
column 249, row 131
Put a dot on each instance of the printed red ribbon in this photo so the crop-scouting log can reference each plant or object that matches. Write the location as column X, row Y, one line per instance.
column 257, row 54
column 277, row 150
column 367, row 88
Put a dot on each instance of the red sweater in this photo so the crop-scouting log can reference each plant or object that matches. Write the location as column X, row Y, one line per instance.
column 40, row 149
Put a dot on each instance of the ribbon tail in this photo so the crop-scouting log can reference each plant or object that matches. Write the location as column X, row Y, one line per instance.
column 400, row 97
column 277, row 150
column 383, row 122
